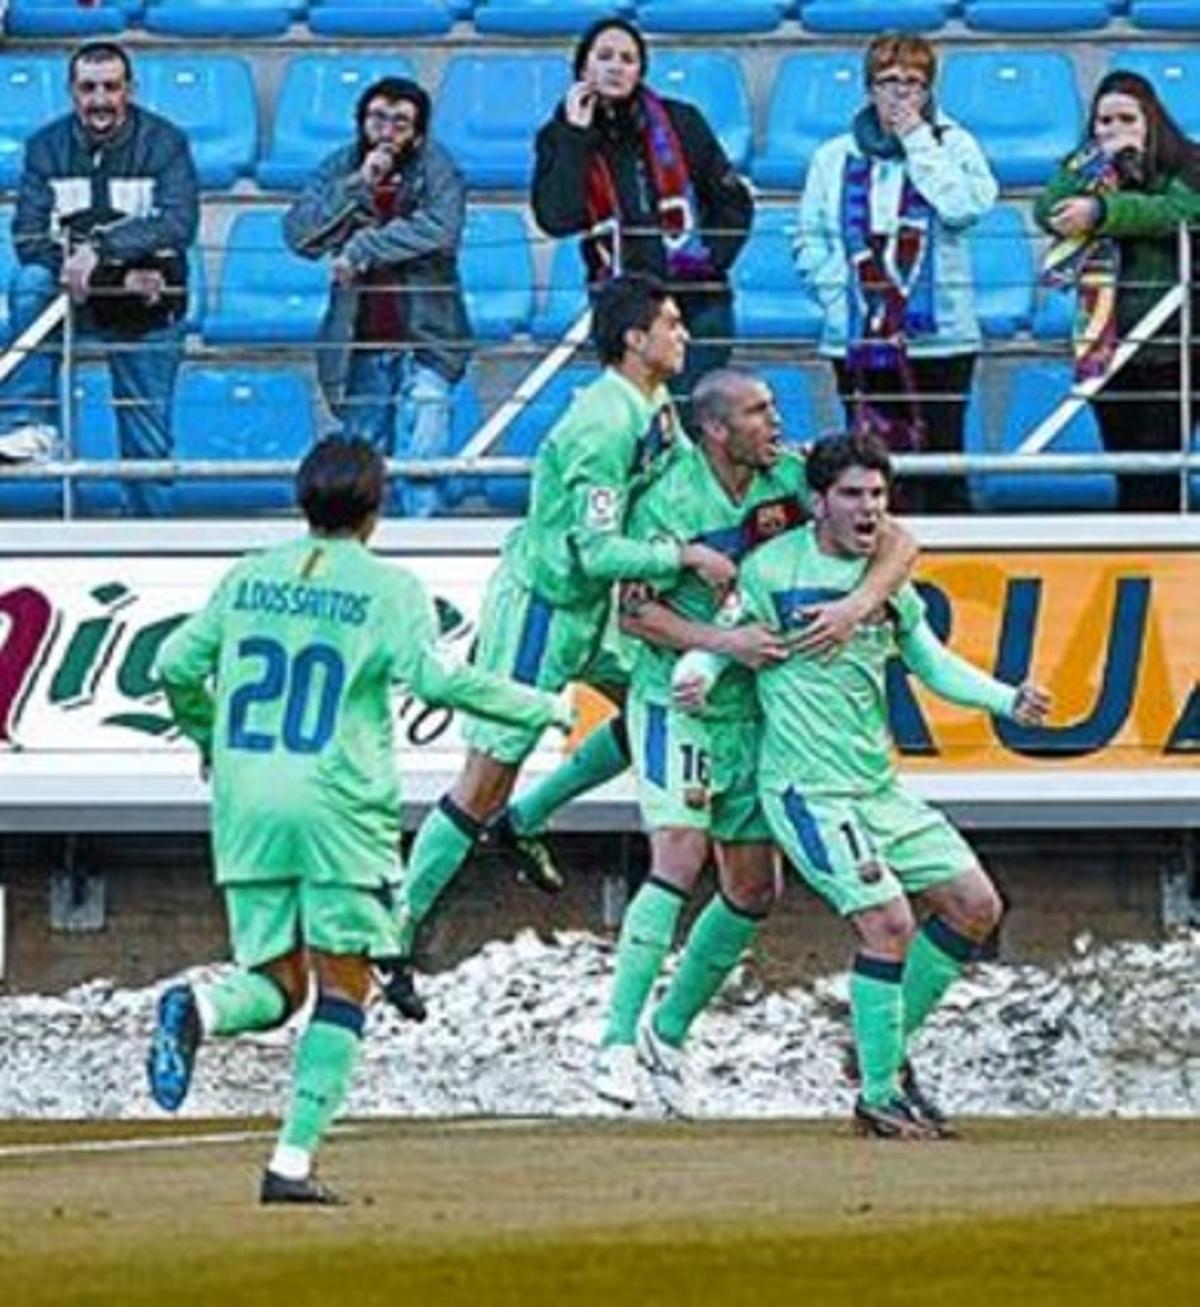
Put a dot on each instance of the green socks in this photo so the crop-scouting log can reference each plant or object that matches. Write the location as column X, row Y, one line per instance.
column 646, row 935
column 603, row 755
column 877, row 1017
column 935, row 960
column 325, row 1058
column 446, row 837
column 716, row 942
column 245, row 1000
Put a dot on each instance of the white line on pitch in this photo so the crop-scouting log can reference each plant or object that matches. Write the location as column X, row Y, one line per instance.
column 144, row 1143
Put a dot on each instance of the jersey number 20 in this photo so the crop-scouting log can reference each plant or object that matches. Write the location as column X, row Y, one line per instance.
column 316, row 672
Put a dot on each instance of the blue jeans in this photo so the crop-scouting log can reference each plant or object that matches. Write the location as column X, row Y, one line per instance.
column 143, row 374
column 402, row 408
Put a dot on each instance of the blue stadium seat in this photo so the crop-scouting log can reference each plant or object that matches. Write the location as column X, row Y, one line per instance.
column 466, row 415
column 8, row 263
column 497, row 273
column 491, row 136
column 314, row 113
column 1021, row 105
column 793, row 389
column 1175, row 74
column 770, row 301
column 211, row 98
column 1034, row 391
column 33, row 90
column 1037, row 15
column 875, row 15
column 543, row 17
column 197, row 289
column 815, row 96
column 69, row 17
column 228, row 19
column 1194, row 479
column 241, row 413
column 565, row 293
column 1003, row 272
column 380, row 17
column 1173, row 15
column 715, row 84
column 94, row 426
column 266, row 294
column 738, row 16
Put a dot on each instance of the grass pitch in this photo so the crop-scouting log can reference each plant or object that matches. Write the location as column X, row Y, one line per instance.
column 1019, row 1212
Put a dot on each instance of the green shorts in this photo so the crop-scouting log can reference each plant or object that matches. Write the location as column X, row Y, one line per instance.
column 529, row 640
column 268, row 918
column 861, row 853
column 695, row 773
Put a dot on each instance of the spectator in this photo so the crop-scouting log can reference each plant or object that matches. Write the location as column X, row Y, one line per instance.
column 1116, row 204
column 648, row 184
column 882, row 239
column 108, row 205
column 390, row 208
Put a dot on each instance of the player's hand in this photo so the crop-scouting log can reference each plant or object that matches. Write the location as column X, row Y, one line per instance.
column 1076, row 216
column 1032, row 705
column 713, row 568
column 828, row 627
column 755, row 646
column 690, row 693
column 579, row 105
column 77, row 272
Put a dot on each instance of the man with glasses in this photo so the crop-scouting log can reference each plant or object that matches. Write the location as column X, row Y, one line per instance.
column 390, row 209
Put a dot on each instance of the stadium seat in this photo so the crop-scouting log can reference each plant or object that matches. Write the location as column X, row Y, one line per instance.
column 491, row 135
column 1034, row 390
column 792, row 387
column 875, row 15
column 314, row 113
column 736, row 16
column 238, row 414
column 33, row 90
column 380, row 17
column 1002, row 269
column 1173, row 15
column 1175, row 74
column 266, row 293
column 497, row 273
column 211, row 98
column 565, row 293
column 228, row 19
column 69, row 17
column 815, row 96
column 543, row 17
column 1037, row 15
column 466, row 415
column 716, row 85
column 771, row 302
column 1021, row 105
column 8, row 262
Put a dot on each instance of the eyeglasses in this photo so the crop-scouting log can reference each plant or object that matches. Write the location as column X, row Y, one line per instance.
column 897, row 85
column 382, row 119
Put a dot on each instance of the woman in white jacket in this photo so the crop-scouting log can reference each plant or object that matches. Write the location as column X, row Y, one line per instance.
column 882, row 240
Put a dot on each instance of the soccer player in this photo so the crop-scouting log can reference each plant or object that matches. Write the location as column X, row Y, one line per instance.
column 828, row 782
column 547, row 608
column 284, row 680
column 696, row 775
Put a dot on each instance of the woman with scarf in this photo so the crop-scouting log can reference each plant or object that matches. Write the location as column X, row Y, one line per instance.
column 649, row 186
column 1115, row 206
column 882, row 240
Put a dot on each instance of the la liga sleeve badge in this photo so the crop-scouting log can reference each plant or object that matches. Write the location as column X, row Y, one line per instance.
column 603, row 508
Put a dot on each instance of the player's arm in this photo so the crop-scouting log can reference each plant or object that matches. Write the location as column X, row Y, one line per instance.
column 184, row 667
column 644, row 615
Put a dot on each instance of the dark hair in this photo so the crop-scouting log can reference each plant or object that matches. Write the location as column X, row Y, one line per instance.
column 832, row 455
column 584, row 46
column 623, row 304
column 1169, row 153
column 393, row 89
column 340, row 484
column 92, row 52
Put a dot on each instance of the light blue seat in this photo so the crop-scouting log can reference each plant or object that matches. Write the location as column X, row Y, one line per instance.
column 1194, row 479
column 1003, row 272
column 543, row 17
column 266, row 293
column 565, row 296
column 875, row 15
column 1022, row 106
column 211, row 98
column 491, row 135
column 33, row 90
column 770, row 300
column 229, row 19
column 737, row 16
column 1175, row 75
column 793, row 389
column 466, row 416
column 1037, row 15
column 314, row 114
column 1172, row 15
column 8, row 263
column 715, row 84
column 815, row 96
column 69, row 17
column 1034, row 390
column 380, row 17
column 497, row 272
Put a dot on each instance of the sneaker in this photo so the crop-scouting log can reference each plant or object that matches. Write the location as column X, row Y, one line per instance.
column 173, row 1047
column 395, row 976
column 278, row 1188
column 535, row 863
column 894, row 1119
column 33, row 443
column 616, row 1075
column 924, row 1106
column 667, row 1066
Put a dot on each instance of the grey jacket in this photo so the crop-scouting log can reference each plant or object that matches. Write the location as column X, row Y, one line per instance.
column 334, row 216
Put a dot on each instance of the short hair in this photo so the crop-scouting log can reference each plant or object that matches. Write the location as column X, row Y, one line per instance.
column 94, row 52
column 712, row 397
column 623, row 304
column 393, row 89
column 832, row 455
column 339, row 484
column 583, row 46
column 890, row 48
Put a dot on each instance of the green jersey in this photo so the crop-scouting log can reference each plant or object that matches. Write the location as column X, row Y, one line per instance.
column 608, row 446
column 284, row 679
column 689, row 505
